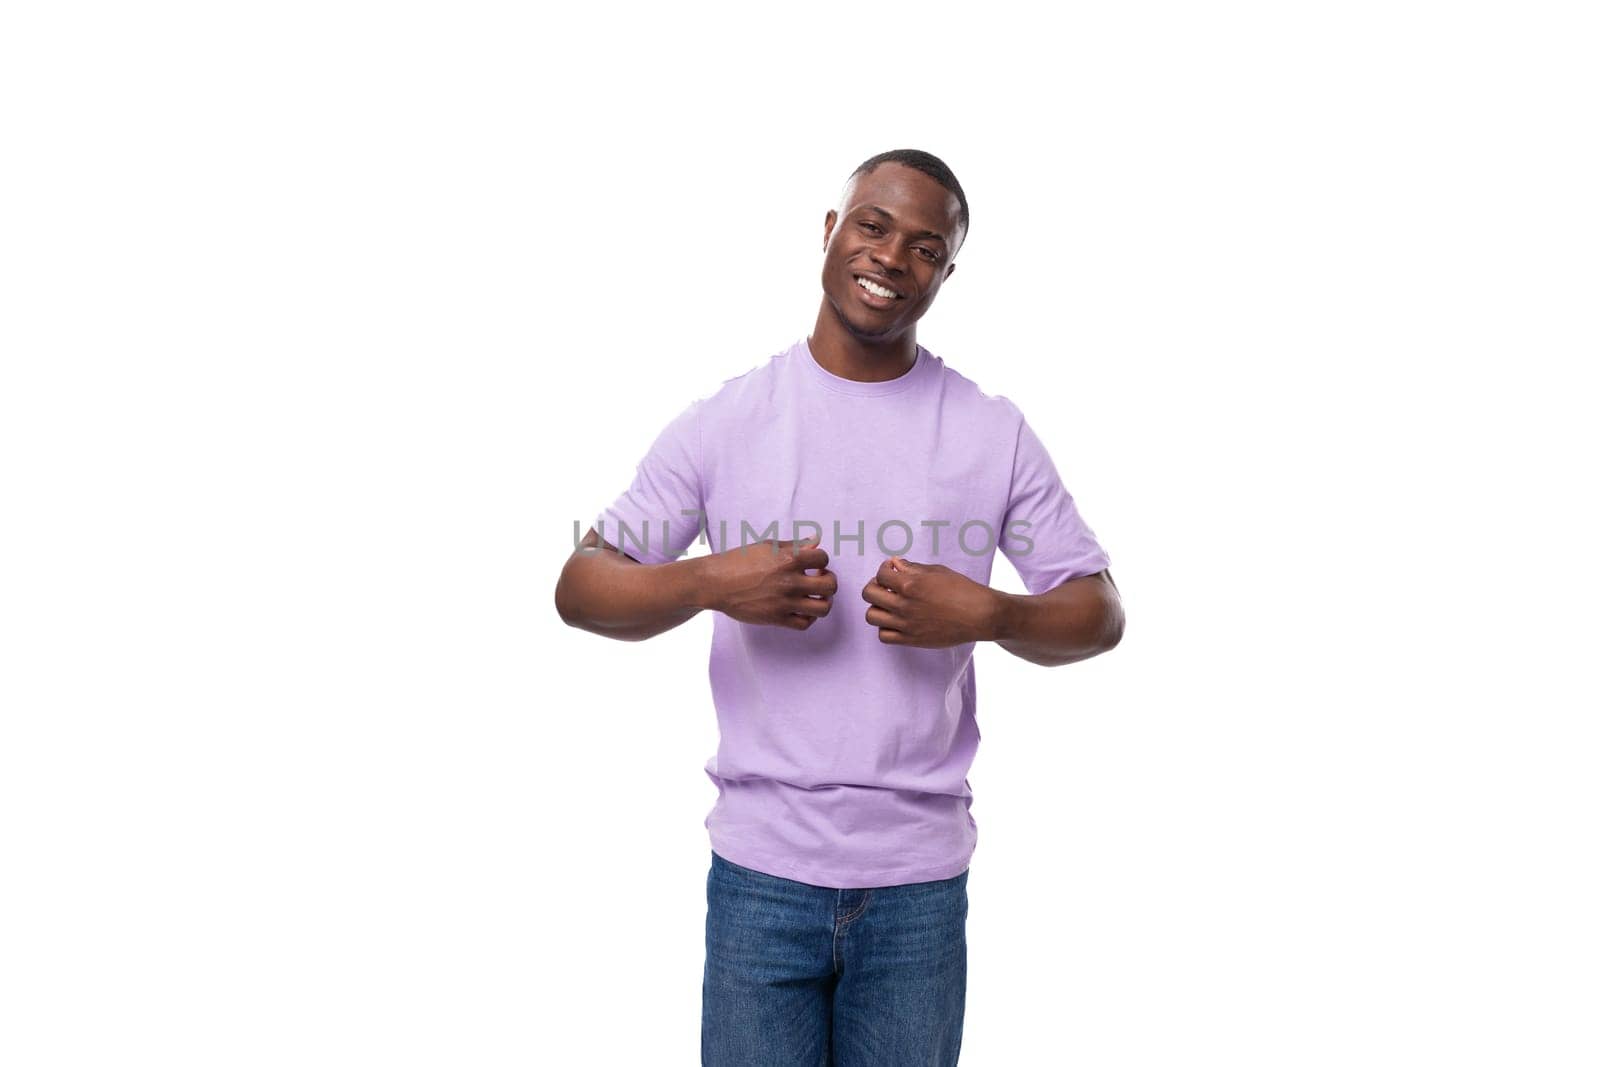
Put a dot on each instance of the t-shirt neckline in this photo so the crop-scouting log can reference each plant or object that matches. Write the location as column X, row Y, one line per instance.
column 829, row 380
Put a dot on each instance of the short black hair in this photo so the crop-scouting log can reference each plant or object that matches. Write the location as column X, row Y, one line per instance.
column 927, row 163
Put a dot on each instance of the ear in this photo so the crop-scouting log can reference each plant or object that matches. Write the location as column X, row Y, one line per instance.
column 827, row 228
column 951, row 269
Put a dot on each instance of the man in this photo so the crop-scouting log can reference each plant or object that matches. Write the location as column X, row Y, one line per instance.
column 841, row 836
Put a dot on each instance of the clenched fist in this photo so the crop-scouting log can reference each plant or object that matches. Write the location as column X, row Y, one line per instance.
column 766, row 583
column 928, row 605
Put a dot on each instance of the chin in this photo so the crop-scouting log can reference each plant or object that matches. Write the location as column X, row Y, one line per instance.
column 871, row 330
column 879, row 336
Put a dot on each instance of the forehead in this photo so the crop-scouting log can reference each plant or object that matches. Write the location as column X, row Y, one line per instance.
column 913, row 198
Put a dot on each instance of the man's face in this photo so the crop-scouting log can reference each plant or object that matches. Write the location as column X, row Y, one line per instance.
column 897, row 229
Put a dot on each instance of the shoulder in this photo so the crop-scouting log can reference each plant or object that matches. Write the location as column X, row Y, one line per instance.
column 753, row 390
column 996, row 410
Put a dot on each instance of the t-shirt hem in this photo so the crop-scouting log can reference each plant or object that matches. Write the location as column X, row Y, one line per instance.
column 832, row 878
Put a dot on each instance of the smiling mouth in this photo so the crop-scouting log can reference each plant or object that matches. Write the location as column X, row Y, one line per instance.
column 882, row 293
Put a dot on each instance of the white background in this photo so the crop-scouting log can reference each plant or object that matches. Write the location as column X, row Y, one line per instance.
column 323, row 322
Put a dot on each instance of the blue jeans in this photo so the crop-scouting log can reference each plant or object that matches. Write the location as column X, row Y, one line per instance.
column 801, row 976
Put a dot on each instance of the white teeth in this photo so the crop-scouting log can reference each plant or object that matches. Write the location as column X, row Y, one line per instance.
column 874, row 288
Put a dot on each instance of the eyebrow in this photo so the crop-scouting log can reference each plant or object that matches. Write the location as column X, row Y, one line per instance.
column 922, row 233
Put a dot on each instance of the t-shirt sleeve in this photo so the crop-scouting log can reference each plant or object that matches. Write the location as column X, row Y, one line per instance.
column 659, row 516
column 1043, row 536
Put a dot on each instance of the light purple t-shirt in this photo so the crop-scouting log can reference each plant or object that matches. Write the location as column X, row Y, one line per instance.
column 842, row 761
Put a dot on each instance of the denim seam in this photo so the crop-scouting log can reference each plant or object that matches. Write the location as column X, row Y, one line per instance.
column 839, row 925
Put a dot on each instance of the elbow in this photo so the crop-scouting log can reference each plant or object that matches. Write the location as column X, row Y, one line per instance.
column 568, row 605
column 1107, row 637
column 1112, row 623
column 565, row 608
column 578, row 610
column 1111, row 634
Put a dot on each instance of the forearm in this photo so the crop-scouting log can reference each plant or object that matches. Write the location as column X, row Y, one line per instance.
column 1074, row 621
column 608, row 594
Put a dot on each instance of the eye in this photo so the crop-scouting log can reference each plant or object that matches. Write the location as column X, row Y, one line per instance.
column 928, row 253
column 872, row 226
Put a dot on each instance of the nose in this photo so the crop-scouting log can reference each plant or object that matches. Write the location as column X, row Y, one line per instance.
column 890, row 255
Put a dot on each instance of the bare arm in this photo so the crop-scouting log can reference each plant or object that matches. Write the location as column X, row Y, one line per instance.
column 928, row 605
column 767, row 583
column 1077, row 619
column 608, row 593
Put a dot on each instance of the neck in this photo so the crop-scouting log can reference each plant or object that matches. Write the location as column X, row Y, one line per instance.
column 860, row 359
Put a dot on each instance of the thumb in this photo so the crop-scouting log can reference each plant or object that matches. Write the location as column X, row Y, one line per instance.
column 800, row 544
